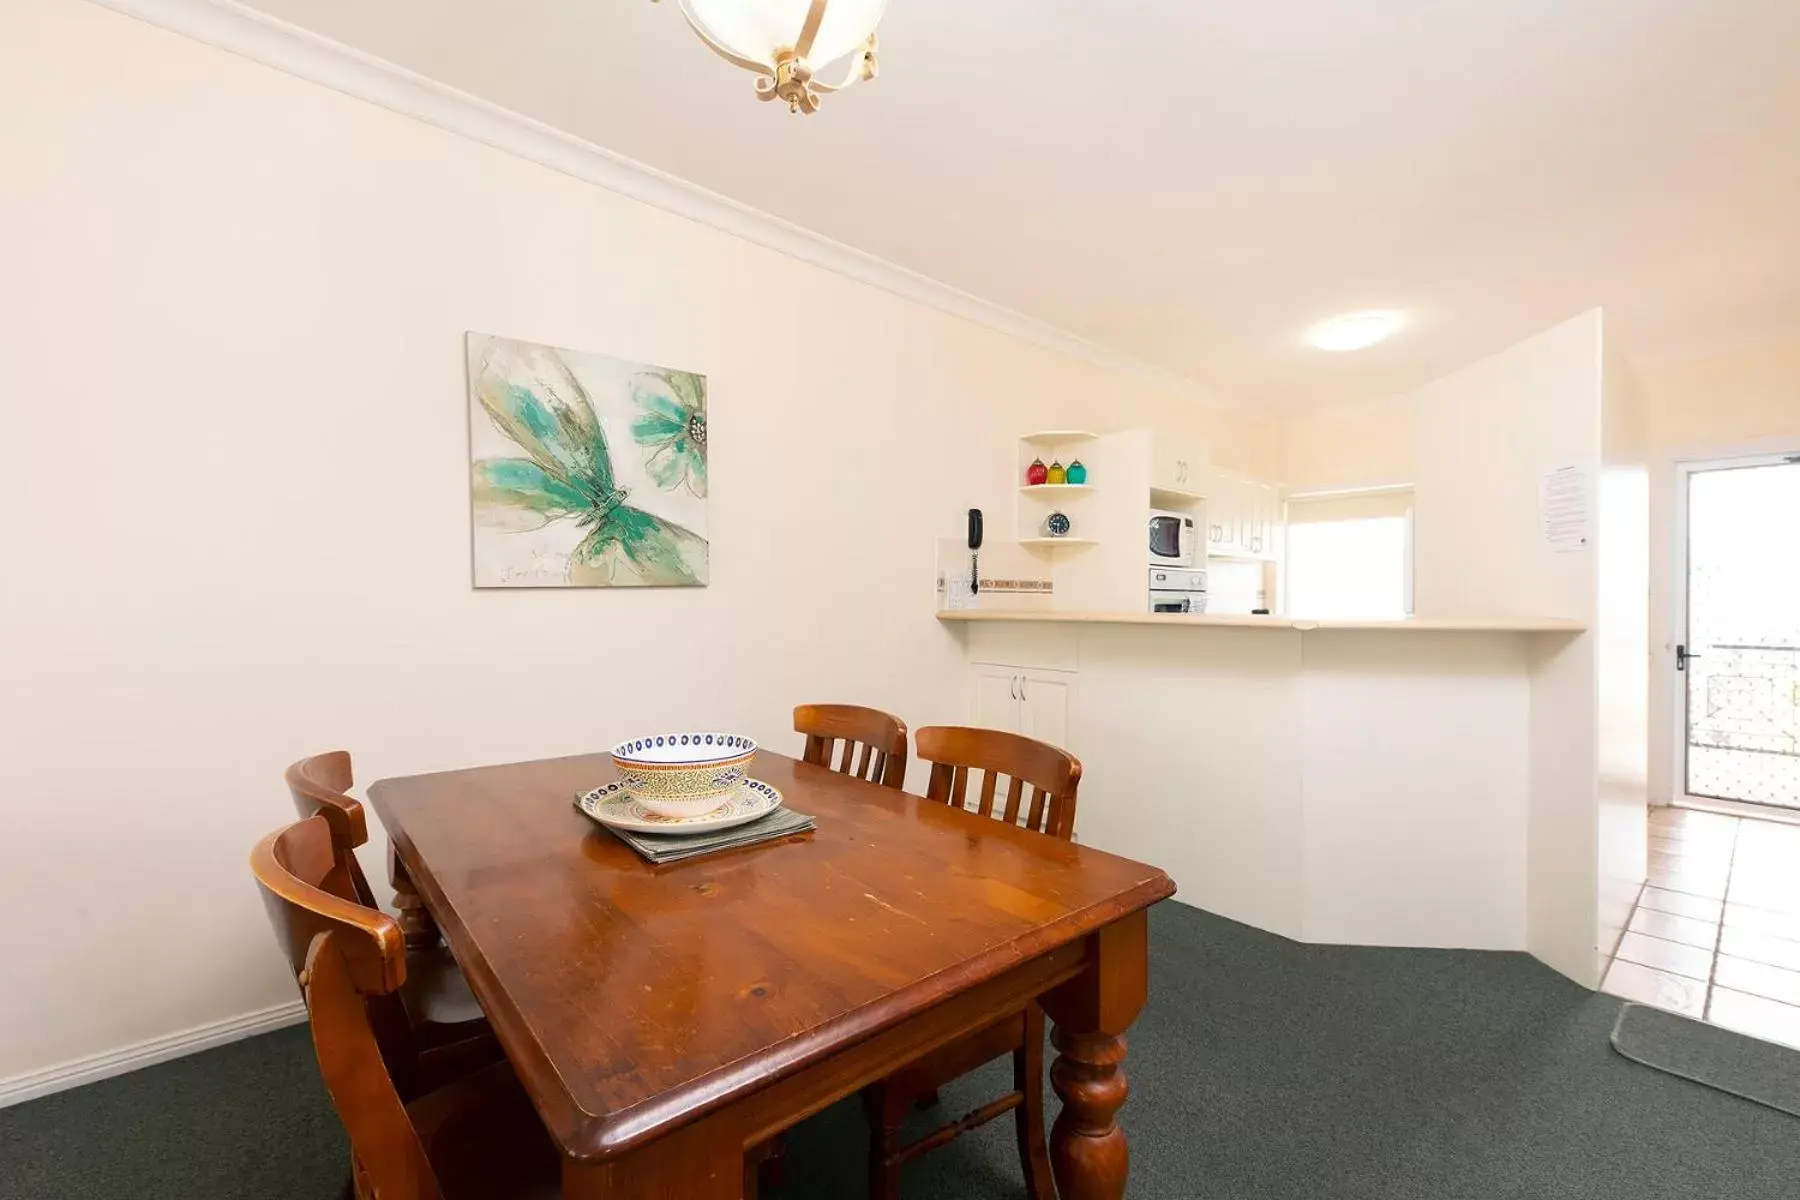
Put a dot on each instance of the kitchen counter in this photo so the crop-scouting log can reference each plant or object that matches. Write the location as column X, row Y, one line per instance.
column 1351, row 782
column 1246, row 621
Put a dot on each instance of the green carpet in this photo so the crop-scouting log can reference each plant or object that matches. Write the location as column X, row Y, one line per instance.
column 1261, row 1070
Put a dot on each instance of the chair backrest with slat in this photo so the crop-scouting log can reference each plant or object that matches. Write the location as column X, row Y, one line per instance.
column 873, row 743
column 345, row 956
column 320, row 786
column 1051, row 774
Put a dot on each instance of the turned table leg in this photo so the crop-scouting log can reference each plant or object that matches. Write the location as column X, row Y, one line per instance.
column 416, row 925
column 1088, row 1152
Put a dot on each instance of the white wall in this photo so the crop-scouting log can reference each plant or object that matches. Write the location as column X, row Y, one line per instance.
column 1413, row 755
column 1622, row 649
column 1486, row 436
column 233, row 378
column 1367, row 443
column 1190, row 740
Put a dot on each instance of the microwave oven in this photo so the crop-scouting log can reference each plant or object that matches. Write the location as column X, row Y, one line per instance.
column 1171, row 539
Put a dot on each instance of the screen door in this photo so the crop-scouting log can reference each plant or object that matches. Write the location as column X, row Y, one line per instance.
column 1740, row 649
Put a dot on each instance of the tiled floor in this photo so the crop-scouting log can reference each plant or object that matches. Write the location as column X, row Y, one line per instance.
column 1716, row 934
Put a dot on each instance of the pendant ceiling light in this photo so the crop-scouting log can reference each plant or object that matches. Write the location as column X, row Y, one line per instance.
column 799, row 49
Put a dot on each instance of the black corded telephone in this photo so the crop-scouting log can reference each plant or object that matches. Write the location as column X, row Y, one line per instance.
column 974, row 545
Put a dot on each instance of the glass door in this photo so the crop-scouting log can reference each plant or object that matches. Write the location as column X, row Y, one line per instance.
column 1740, row 650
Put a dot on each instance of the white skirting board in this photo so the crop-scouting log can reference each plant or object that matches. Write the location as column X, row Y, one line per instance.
column 96, row 1067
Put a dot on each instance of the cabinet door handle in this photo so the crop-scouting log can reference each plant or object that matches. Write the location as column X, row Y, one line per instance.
column 1021, row 687
column 1012, row 686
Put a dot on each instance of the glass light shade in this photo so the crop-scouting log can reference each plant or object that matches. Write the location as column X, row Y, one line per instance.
column 1354, row 331
column 756, row 29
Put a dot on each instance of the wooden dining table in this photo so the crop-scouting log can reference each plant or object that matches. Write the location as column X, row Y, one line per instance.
column 666, row 1019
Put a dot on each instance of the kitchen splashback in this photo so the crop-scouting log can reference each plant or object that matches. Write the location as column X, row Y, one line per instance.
column 1010, row 575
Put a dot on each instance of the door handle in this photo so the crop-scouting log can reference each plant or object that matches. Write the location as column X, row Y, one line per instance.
column 1012, row 686
column 1682, row 657
column 1021, row 687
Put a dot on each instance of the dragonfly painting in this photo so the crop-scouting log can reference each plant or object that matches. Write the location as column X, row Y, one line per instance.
column 586, row 471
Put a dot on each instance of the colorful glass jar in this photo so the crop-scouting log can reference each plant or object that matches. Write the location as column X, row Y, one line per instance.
column 1036, row 473
column 1056, row 473
column 1077, row 473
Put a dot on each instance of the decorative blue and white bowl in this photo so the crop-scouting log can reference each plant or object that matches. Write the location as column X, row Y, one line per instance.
column 683, row 774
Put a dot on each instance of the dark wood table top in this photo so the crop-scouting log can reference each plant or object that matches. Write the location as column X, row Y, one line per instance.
column 633, row 997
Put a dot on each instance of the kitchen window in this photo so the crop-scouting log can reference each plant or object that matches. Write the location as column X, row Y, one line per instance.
column 1349, row 556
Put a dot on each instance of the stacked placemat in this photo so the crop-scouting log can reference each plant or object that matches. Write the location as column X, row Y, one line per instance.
column 668, row 848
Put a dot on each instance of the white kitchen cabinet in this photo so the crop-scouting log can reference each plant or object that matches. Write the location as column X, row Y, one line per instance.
column 995, row 702
column 1243, row 517
column 1243, row 530
column 1227, row 518
column 1175, row 466
column 1250, row 534
column 1034, row 701
column 1265, row 509
column 1045, row 702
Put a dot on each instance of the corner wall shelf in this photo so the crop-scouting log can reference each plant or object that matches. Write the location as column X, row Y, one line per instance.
column 1058, row 437
column 1053, row 489
column 1057, row 541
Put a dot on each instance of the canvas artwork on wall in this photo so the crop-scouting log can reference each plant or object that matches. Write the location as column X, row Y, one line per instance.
column 586, row 471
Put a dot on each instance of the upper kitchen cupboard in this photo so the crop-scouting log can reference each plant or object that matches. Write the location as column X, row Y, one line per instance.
column 1176, row 467
column 1243, row 516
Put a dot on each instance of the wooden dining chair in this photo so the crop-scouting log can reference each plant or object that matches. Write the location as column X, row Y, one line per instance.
column 321, row 784
column 445, row 1031
column 874, row 742
column 475, row 1137
column 1052, row 776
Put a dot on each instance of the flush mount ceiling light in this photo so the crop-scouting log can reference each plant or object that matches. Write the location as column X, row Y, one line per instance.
column 800, row 49
column 1354, row 331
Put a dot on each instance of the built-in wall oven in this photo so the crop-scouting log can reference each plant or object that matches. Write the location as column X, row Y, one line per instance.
column 1177, row 590
column 1171, row 539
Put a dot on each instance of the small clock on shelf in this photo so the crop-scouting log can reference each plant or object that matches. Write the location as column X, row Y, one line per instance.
column 1057, row 525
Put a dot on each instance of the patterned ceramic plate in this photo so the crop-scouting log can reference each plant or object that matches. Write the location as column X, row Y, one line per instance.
column 610, row 805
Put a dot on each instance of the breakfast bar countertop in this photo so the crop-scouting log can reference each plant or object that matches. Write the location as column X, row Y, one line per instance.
column 1247, row 621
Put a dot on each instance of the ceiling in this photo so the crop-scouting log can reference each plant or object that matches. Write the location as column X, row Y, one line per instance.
column 1193, row 182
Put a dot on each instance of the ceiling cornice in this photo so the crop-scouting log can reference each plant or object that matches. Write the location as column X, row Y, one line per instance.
column 275, row 43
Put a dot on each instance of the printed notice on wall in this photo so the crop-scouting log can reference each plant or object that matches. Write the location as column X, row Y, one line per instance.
column 1566, row 509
